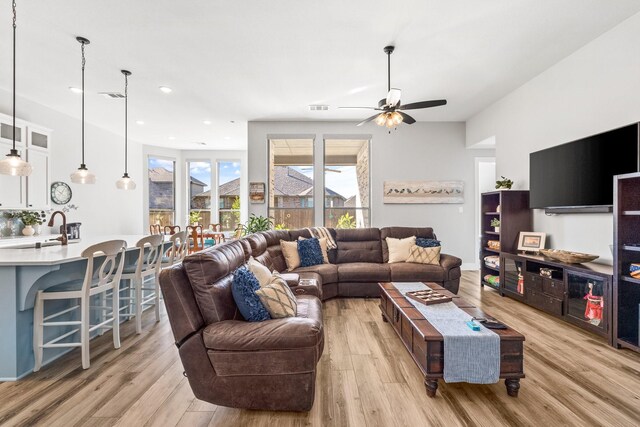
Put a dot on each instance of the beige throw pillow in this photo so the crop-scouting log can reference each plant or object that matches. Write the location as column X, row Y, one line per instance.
column 278, row 298
column 290, row 253
column 261, row 272
column 323, row 247
column 399, row 248
column 421, row 255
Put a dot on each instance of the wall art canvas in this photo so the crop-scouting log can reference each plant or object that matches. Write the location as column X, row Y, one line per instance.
column 423, row 192
column 256, row 192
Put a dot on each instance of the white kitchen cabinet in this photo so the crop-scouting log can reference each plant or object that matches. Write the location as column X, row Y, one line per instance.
column 38, row 182
column 6, row 131
column 12, row 188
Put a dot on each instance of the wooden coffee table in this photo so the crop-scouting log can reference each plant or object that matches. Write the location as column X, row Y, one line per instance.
column 426, row 344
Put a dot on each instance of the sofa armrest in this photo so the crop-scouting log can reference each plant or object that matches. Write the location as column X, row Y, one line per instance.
column 292, row 279
column 449, row 262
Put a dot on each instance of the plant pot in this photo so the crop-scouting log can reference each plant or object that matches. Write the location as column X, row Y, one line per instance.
column 496, row 229
column 28, row 230
column 504, row 188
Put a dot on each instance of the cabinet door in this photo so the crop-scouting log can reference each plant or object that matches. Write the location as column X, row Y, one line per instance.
column 587, row 301
column 38, row 138
column 11, row 187
column 6, row 131
column 38, row 181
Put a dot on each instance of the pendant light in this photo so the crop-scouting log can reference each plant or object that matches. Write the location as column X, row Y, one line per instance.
column 126, row 183
column 82, row 175
column 13, row 164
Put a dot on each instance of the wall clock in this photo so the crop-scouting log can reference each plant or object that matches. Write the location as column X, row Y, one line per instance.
column 60, row 193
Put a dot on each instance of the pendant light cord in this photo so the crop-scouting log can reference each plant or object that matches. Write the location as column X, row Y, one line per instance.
column 13, row 5
column 83, row 64
column 126, row 126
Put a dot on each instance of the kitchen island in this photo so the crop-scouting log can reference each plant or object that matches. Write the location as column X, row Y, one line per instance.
column 23, row 272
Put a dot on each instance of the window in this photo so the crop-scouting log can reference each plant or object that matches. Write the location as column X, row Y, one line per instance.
column 346, row 180
column 228, row 195
column 162, row 186
column 199, row 192
column 291, row 183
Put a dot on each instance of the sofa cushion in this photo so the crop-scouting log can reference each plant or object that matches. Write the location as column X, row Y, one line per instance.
column 258, row 244
column 278, row 298
column 401, row 233
column 400, row 249
column 262, row 273
column 409, row 272
column 290, row 254
column 310, row 252
column 358, row 245
column 364, row 272
column 304, row 330
column 244, row 288
column 328, row 272
column 420, row 255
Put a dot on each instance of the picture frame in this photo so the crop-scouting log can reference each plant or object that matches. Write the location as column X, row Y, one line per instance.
column 256, row 192
column 531, row 241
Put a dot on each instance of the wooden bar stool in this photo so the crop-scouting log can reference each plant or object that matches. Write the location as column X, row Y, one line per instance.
column 177, row 251
column 108, row 272
column 143, row 277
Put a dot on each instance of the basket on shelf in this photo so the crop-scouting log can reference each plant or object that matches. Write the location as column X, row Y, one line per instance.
column 568, row 256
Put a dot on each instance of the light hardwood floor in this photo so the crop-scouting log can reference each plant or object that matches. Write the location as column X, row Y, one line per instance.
column 365, row 378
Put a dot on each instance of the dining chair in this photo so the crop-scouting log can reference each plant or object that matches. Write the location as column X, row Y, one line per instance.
column 109, row 257
column 155, row 229
column 171, row 229
column 196, row 236
column 218, row 235
column 143, row 287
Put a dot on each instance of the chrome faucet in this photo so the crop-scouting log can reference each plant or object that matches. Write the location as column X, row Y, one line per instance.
column 63, row 228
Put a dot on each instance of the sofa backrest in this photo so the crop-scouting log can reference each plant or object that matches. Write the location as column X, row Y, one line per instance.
column 402, row 233
column 358, row 245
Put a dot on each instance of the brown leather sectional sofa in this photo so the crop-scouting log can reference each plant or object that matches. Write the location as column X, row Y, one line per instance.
column 271, row 365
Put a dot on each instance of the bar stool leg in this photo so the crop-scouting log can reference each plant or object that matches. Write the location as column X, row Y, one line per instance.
column 138, row 285
column 115, row 313
column 38, row 312
column 157, row 304
column 84, row 331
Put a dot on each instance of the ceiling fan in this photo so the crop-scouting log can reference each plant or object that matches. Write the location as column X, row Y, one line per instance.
column 391, row 110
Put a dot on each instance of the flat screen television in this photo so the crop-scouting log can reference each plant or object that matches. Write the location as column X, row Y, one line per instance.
column 578, row 176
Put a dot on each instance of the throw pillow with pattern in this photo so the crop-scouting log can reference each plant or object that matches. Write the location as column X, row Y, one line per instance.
column 243, row 288
column 278, row 298
column 324, row 245
column 423, row 242
column 310, row 252
column 421, row 255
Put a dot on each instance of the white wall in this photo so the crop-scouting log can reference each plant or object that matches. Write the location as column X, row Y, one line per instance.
column 593, row 90
column 422, row 151
column 103, row 209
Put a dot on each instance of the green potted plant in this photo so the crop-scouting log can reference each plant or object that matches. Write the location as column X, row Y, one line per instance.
column 29, row 219
column 495, row 223
column 504, row 183
column 194, row 217
column 255, row 224
column 346, row 221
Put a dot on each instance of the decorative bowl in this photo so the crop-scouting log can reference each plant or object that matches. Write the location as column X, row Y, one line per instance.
column 568, row 256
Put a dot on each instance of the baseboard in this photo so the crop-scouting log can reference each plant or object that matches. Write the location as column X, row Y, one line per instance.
column 470, row 266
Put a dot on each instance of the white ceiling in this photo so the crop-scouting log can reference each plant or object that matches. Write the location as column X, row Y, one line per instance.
column 268, row 60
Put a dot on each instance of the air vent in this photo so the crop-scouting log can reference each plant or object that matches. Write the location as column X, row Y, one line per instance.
column 112, row 95
column 318, row 107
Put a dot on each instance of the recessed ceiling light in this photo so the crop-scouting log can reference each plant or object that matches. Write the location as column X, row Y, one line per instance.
column 207, row 122
column 165, row 89
column 75, row 89
column 201, row 143
column 172, row 138
column 139, row 122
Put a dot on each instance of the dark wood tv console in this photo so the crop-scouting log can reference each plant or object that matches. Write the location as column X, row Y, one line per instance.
column 580, row 294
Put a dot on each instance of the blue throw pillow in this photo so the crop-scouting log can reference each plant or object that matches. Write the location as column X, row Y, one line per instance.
column 244, row 287
column 427, row 243
column 310, row 252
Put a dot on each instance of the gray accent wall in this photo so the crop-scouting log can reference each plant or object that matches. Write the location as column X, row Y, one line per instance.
column 422, row 151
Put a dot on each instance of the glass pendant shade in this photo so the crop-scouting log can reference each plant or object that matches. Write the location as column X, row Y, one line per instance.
column 125, row 183
column 381, row 119
column 14, row 165
column 83, row 176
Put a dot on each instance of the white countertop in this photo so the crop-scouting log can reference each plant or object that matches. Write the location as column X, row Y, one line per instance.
column 58, row 254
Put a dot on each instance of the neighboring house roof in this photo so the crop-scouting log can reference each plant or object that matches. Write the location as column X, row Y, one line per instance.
column 161, row 174
column 350, row 202
column 288, row 182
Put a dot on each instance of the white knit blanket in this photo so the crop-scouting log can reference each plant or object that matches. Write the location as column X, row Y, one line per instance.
column 469, row 356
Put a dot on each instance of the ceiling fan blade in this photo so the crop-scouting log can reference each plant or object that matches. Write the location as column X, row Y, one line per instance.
column 367, row 120
column 407, row 118
column 423, row 104
column 393, row 97
column 359, row 108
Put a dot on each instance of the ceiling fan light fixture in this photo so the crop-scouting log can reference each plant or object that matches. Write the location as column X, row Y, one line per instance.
column 381, row 119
